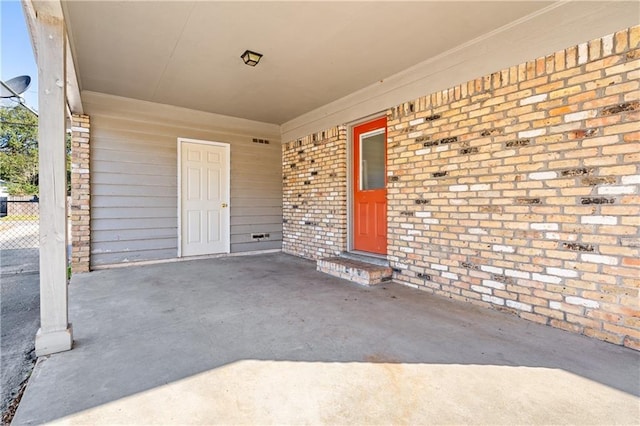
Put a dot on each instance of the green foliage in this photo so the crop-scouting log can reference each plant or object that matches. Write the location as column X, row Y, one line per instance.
column 19, row 150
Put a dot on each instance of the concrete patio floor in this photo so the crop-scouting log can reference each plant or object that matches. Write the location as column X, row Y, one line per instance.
column 268, row 340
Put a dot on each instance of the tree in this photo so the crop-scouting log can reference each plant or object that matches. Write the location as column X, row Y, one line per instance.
column 19, row 150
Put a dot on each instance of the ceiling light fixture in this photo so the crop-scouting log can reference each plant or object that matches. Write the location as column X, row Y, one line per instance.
column 251, row 58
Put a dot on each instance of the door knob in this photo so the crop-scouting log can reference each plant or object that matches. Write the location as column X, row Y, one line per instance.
column 225, row 205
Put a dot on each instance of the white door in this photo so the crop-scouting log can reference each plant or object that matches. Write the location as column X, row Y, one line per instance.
column 204, row 204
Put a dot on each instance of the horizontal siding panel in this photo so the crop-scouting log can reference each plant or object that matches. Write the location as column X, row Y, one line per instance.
column 163, row 147
column 133, row 213
column 168, row 169
column 114, row 258
column 247, row 220
column 256, row 175
column 133, row 234
column 256, row 185
column 135, row 245
column 128, row 223
column 263, row 227
column 258, row 162
column 159, row 157
column 252, row 192
column 276, row 201
column 148, row 201
column 246, row 238
column 260, row 245
column 133, row 191
column 133, row 179
column 253, row 211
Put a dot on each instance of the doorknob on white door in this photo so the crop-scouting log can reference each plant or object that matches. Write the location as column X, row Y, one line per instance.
column 225, row 205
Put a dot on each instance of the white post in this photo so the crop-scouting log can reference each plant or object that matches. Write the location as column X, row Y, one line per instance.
column 55, row 333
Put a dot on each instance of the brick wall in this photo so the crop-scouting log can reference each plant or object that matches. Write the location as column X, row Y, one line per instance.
column 315, row 194
column 520, row 190
column 80, row 193
column 528, row 190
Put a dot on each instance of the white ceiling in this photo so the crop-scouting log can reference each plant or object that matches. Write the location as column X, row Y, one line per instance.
column 188, row 53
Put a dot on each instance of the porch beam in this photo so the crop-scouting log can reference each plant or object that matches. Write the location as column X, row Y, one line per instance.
column 55, row 333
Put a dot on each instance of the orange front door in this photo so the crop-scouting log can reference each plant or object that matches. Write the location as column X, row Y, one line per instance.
column 370, row 187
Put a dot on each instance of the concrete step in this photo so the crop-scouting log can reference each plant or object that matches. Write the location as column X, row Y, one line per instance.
column 354, row 270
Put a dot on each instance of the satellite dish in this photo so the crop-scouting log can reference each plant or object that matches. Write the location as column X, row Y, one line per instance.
column 15, row 86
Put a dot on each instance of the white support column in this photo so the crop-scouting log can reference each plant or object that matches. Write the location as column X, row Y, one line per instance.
column 55, row 334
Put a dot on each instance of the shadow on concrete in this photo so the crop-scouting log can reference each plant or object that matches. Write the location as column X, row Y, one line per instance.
column 249, row 339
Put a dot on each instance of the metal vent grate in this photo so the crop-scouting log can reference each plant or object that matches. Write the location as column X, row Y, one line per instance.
column 260, row 237
column 261, row 141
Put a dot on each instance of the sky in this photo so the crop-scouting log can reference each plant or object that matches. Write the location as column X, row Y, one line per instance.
column 16, row 53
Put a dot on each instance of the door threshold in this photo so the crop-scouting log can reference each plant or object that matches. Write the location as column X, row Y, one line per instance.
column 372, row 258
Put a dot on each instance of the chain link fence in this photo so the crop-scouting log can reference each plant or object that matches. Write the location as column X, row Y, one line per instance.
column 19, row 234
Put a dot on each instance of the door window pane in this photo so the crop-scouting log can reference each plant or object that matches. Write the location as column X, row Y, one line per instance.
column 372, row 167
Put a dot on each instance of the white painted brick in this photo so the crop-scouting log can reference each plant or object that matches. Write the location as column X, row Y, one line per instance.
column 552, row 236
column 450, row 275
column 480, row 289
column 458, row 188
column 599, row 220
column 413, row 232
column 545, row 226
column 438, row 267
column 480, row 187
column 598, row 258
column 555, row 305
column 423, row 214
column 504, row 249
column 406, row 249
column 517, row 274
column 493, row 284
column 583, row 53
column 574, row 300
column 416, row 121
column 616, row 190
column 414, row 135
column 534, row 99
column 578, row 116
column 630, row 180
column 478, row 231
column 423, row 151
column 561, row 272
column 406, row 238
column 493, row 299
column 431, row 221
column 442, row 148
column 519, row 305
column 491, row 269
column 531, row 133
column 550, row 279
column 543, row 175
column 607, row 45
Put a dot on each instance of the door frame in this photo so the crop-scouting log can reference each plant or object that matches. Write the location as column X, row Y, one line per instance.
column 350, row 181
column 227, row 148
